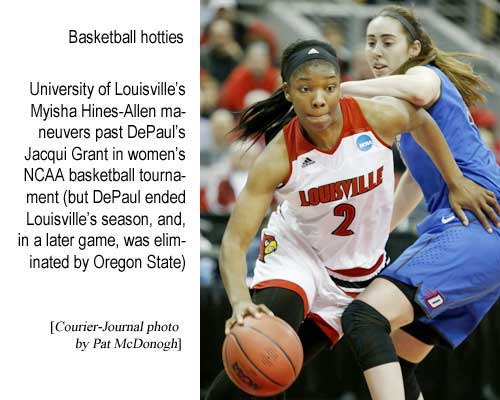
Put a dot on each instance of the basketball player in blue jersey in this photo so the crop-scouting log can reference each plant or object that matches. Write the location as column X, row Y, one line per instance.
column 441, row 287
column 329, row 160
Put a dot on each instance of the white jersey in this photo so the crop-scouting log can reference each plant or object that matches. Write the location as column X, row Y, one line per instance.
column 340, row 201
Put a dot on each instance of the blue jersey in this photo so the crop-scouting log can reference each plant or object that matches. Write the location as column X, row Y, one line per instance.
column 455, row 269
column 474, row 159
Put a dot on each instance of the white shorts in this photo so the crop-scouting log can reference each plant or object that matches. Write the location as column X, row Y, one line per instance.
column 287, row 261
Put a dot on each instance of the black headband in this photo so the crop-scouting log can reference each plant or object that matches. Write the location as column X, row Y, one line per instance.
column 409, row 27
column 305, row 55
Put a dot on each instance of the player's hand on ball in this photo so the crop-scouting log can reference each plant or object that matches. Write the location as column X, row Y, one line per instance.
column 244, row 308
column 471, row 196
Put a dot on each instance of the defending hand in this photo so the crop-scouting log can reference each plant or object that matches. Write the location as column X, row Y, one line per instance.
column 467, row 194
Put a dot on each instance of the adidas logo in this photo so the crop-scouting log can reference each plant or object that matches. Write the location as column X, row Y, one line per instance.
column 307, row 162
column 313, row 51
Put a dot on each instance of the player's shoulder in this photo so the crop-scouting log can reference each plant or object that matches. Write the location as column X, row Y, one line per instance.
column 272, row 165
column 428, row 81
column 423, row 71
column 276, row 149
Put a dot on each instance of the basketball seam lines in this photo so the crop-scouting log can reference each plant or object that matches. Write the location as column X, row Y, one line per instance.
column 297, row 336
column 279, row 347
column 251, row 362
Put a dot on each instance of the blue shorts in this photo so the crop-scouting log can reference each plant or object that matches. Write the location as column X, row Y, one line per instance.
column 456, row 271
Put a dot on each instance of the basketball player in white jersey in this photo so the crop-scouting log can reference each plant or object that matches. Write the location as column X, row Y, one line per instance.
column 329, row 161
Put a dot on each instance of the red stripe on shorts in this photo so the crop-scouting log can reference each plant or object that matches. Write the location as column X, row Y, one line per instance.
column 358, row 271
column 281, row 283
column 327, row 329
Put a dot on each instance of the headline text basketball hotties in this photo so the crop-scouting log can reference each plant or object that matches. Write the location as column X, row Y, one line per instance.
column 131, row 36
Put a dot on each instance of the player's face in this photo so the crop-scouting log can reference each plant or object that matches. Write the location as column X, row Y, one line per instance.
column 386, row 45
column 314, row 91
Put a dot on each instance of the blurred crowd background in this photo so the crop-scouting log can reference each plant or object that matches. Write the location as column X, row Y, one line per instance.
column 241, row 41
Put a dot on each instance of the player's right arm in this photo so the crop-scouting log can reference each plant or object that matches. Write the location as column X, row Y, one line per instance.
column 408, row 195
column 420, row 86
column 269, row 170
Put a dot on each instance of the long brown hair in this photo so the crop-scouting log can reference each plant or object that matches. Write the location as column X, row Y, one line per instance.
column 460, row 73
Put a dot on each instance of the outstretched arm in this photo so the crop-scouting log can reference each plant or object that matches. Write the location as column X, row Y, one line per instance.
column 270, row 169
column 420, row 86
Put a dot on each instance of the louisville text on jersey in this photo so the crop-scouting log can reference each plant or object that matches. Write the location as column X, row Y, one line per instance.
column 342, row 189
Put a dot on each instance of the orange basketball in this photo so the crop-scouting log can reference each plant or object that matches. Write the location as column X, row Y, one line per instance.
column 262, row 357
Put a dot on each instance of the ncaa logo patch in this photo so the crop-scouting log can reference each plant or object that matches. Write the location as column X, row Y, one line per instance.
column 364, row 142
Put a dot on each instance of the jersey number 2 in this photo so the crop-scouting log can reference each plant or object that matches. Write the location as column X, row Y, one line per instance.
column 348, row 212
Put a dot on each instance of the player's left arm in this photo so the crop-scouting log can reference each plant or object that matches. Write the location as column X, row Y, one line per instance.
column 391, row 116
